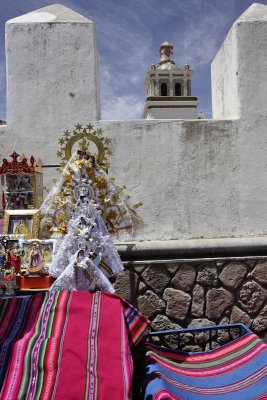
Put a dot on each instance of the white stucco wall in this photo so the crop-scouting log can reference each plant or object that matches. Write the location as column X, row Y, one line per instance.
column 3, row 130
column 239, row 70
column 52, row 78
column 171, row 113
column 196, row 179
column 224, row 90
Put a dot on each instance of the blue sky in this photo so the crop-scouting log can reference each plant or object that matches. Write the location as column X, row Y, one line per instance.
column 129, row 33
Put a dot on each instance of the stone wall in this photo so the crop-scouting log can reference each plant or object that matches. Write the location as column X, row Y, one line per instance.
column 197, row 293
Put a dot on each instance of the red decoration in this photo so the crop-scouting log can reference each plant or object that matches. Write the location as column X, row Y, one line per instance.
column 17, row 167
column 34, row 282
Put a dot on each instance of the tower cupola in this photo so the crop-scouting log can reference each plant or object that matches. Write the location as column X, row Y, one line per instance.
column 169, row 89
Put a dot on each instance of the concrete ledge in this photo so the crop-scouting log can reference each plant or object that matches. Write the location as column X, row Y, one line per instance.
column 190, row 249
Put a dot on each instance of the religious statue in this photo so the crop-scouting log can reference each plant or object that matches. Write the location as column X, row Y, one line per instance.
column 113, row 205
column 22, row 229
column 90, row 207
column 2, row 257
column 86, row 257
column 14, row 258
column 36, row 264
column 9, row 282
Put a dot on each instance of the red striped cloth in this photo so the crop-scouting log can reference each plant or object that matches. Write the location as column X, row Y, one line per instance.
column 73, row 345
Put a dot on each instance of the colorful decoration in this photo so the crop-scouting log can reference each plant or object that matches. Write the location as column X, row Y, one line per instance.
column 81, row 211
column 56, row 346
column 37, row 256
column 58, row 207
column 86, row 257
column 16, row 167
column 21, row 183
column 236, row 370
column 85, row 135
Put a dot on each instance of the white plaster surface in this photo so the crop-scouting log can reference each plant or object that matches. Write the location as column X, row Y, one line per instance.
column 170, row 113
column 239, row 70
column 196, row 179
column 55, row 12
column 52, row 79
column 33, row 17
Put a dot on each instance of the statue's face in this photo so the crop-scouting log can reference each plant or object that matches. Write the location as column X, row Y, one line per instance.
column 83, row 191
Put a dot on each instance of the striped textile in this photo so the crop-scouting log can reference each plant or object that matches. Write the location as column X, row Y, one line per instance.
column 235, row 371
column 68, row 345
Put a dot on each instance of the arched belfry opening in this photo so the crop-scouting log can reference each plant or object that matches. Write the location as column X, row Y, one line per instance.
column 177, row 89
column 163, row 89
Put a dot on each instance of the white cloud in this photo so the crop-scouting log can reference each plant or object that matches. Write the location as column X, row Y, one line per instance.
column 204, row 31
column 116, row 104
column 122, row 107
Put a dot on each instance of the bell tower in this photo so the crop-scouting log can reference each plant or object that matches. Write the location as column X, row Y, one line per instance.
column 169, row 89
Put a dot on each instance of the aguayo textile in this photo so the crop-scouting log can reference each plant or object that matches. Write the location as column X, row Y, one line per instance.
column 237, row 370
column 68, row 345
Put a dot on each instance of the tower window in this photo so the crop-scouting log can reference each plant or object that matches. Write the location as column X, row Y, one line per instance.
column 178, row 89
column 163, row 89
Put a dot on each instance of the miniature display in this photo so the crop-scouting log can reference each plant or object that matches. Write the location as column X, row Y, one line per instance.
column 21, row 183
column 71, row 248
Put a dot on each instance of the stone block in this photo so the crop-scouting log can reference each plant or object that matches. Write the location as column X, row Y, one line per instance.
column 251, row 297
column 260, row 322
column 208, row 276
column 178, row 303
column 198, row 302
column 260, row 272
column 222, row 334
column 150, row 303
column 218, row 300
column 162, row 323
column 251, row 263
column 172, row 268
column 233, row 274
column 201, row 338
column 212, row 345
column 157, row 278
column 184, row 278
column 140, row 269
column 239, row 316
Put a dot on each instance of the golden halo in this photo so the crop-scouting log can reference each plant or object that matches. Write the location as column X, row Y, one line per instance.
column 84, row 135
column 77, row 137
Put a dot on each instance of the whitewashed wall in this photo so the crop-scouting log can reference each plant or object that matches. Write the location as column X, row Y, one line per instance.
column 196, row 179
